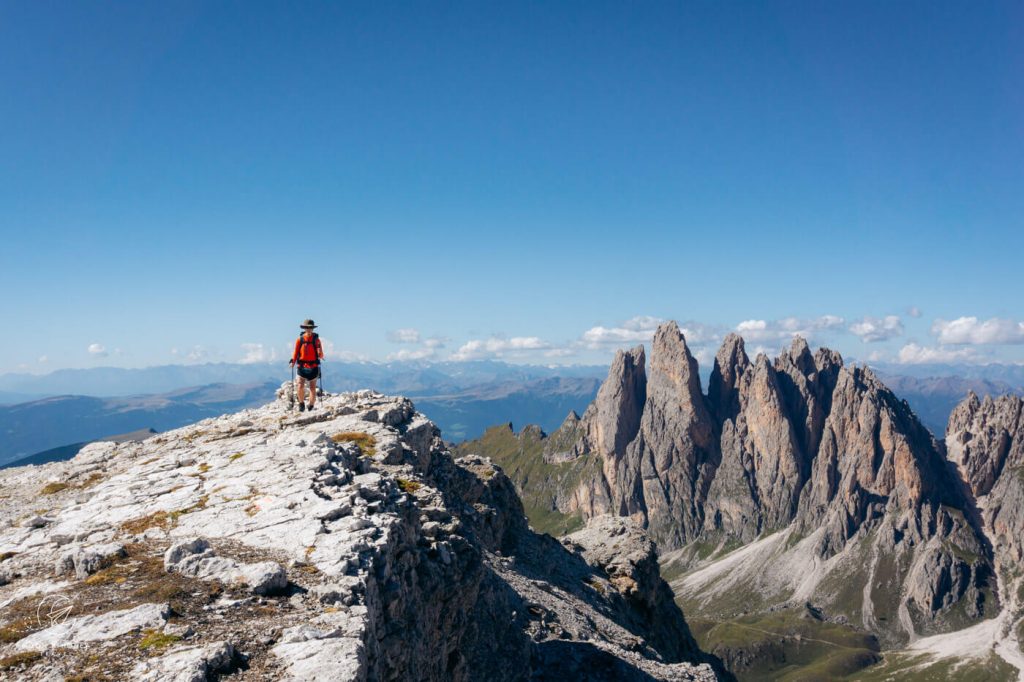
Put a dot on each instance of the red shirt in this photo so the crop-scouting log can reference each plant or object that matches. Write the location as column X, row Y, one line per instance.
column 308, row 353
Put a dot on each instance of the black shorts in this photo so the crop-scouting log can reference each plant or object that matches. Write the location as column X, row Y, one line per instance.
column 308, row 373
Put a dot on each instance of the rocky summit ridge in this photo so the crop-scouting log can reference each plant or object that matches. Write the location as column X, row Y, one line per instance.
column 341, row 544
column 801, row 482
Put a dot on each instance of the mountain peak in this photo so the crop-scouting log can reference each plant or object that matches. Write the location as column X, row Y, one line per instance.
column 343, row 543
column 730, row 363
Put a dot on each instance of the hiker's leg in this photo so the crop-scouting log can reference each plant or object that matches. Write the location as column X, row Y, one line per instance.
column 312, row 392
column 302, row 387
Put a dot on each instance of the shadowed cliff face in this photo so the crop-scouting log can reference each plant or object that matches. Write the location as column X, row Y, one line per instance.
column 985, row 440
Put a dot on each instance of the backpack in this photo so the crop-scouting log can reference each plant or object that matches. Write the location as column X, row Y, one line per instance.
column 315, row 342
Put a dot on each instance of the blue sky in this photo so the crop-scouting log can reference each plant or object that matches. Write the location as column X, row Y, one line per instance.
column 535, row 181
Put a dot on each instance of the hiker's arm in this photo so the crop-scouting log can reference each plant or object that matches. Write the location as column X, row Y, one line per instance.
column 295, row 353
column 320, row 349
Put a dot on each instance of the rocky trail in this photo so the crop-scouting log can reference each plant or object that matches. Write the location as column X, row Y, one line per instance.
column 340, row 544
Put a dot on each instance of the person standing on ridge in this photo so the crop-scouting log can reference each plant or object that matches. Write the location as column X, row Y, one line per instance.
column 307, row 356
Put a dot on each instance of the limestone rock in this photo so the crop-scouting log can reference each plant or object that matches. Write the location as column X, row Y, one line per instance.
column 613, row 419
column 619, row 547
column 665, row 475
column 84, row 561
column 403, row 561
column 191, row 664
column 983, row 435
column 195, row 558
column 92, row 629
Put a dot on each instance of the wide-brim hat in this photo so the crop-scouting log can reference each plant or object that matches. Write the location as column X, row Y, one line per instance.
column 308, row 324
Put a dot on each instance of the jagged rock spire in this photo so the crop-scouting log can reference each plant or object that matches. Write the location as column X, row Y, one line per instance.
column 613, row 419
column 723, row 389
column 668, row 468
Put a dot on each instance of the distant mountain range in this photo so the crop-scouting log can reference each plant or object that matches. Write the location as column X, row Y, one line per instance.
column 463, row 398
column 30, row 428
column 933, row 398
column 415, row 377
column 66, row 452
column 69, row 407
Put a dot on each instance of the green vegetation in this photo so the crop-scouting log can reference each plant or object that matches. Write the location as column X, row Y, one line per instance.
column 786, row 645
column 154, row 639
column 191, row 436
column 4, row 556
column 54, row 487
column 408, row 486
column 160, row 519
column 25, row 658
column 367, row 444
column 906, row 667
column 237, row 455
column 540, row 483
column 14, row 631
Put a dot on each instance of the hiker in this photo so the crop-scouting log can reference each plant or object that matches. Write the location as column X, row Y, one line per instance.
column 307, row 356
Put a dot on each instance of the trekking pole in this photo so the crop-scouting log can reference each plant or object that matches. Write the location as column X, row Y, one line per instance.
column 320, row 384
column 291, row 392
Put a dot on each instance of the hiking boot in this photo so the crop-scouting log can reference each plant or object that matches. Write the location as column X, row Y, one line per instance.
column 312, row 406
column 302, row 407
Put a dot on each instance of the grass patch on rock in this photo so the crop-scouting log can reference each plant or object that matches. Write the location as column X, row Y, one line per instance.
column 137, row 526
column 408, row 486
column 53, row 488
column 19, row 660
column 366, row 443
column 156, row 640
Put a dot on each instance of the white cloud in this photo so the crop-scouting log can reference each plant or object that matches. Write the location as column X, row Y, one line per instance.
column 411, row 354
column 406, row 335
column 349, row 356
column 971, row 330
column 98, row 350
column 603, row 336
column 195, row 354
column 914, row 354
column 871, row 329
column 705, row 356
column 331, row 352
column 640, row 329
column 257, row 352
column 788, row 327
column 435, row 342
column 496, row 347
column 43, row 360
column 642, row 323
column 914, row 311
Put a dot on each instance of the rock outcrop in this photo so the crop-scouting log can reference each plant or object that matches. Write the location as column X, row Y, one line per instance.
column 342, row 544
column 801, row 446
column 985, row 440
